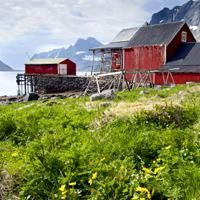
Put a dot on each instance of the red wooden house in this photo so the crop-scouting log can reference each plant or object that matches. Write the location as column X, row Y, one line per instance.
column 60, row 66
column 161, row 49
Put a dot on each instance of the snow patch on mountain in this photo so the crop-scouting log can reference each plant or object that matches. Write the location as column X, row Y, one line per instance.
column 189, row 12
column 79, row 53
column 90, row 58
column 193, row 28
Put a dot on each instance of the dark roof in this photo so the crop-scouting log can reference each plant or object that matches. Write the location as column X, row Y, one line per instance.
column 185, row 59
column 120, row 40
column 156, row 34
column 146, row 35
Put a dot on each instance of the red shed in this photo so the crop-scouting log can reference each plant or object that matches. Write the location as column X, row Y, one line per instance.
column 50, row 66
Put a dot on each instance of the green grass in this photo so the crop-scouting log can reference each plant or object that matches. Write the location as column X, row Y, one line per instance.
column 76, row 149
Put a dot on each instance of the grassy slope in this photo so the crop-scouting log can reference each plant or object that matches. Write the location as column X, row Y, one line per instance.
column 137, row 146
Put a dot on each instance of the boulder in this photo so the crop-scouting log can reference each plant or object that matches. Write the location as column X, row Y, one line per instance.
column 106, row 94
column 31, row 97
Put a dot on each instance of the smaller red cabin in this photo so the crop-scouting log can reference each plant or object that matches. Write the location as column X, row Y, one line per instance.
column 60, row 66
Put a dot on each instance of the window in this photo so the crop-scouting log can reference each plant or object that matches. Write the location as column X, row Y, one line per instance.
column 184, row 36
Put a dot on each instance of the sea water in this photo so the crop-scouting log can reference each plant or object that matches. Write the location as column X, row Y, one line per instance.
column 8, row 85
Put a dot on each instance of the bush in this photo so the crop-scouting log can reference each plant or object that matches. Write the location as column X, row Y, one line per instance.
column 166, row 116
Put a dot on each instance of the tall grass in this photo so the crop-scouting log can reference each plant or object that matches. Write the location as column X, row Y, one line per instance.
column 64, row 150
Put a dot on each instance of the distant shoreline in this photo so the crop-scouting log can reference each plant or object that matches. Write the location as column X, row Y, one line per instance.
column 13, row 70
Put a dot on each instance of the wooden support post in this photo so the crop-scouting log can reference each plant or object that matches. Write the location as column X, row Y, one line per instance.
column 167, row 78
column 93, row 59
column 25, row 84
column 163, row 77
column 98, row 88
column 172, row 78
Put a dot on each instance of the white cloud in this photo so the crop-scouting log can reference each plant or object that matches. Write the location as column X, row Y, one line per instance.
column 68, row 19
column 38, row 24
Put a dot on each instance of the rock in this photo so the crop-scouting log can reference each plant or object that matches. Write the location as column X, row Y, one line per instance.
column 31, row 97
column 95, row 97
column 106, row 94
column 144, row 92
column 12, row 99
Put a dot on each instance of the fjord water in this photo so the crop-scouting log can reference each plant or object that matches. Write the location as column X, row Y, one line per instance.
column 8, row 85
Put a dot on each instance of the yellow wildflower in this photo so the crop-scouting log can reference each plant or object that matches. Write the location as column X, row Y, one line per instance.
column 14, row 155
column 64, row 197
column 147, row 171
column 94, row 176
column 72, row 183
column 144, row 190
column 64, row 192
column 90, row 181
column 135, row 198
column 158, row 169
column 62, row 188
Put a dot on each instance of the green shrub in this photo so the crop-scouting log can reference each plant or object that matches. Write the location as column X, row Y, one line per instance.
column 166, row 116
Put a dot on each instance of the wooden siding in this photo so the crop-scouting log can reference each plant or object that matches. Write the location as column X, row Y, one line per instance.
column 71, row 67
column 144, row 58
column 41, row 69
column 179, row 78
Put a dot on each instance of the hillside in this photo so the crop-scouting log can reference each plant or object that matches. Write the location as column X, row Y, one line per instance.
column 4, row 67
column 144, row 144
column 189, row 12
column 79, row 53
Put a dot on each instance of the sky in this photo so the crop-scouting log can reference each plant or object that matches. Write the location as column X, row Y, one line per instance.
column 32, row 26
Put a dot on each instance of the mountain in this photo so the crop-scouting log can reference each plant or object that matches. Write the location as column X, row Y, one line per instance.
column 79, row 53
column 4, row 67
column 189, row 12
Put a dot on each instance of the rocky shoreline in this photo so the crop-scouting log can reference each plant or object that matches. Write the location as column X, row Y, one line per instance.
column 5, row 100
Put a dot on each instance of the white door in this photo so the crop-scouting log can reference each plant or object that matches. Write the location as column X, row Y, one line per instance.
column 62, row 69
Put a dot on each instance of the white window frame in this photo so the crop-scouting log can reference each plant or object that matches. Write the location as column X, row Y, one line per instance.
column 184, row 36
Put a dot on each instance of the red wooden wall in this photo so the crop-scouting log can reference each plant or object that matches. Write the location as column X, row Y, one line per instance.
column 179, row 78
column 176, row 42
column 143, row 58
column 41, row 69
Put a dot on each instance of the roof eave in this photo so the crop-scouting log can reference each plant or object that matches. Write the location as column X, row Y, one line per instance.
column 184, row 23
